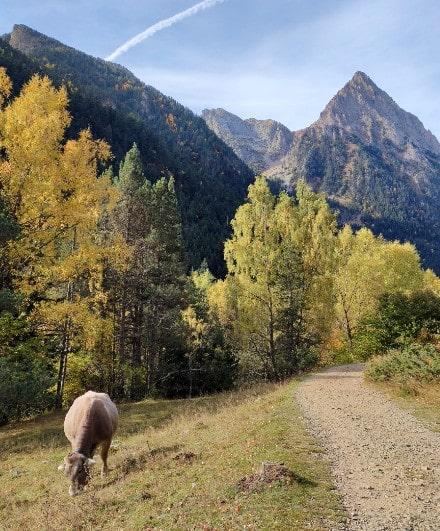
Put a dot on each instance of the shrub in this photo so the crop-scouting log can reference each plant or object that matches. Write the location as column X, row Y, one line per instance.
column 400, row 320
column 24, row 385
column 414, row 363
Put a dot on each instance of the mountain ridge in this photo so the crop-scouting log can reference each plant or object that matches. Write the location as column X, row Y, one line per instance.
column 376, row 162
column 369, row 95
column 211, row 181
column 260, row 142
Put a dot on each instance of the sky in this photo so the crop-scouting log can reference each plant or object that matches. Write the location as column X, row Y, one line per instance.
column 279, row 59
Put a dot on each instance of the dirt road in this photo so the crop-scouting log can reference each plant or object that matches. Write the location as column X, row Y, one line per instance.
column 385, row 462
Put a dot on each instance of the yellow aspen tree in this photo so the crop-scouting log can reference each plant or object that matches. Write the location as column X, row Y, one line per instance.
column 265, row 268
column 54, row 193
column 368, row 267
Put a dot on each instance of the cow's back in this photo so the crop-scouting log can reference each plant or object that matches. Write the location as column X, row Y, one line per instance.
column 93, row 418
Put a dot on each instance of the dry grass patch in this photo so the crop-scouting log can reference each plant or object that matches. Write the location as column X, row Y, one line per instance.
column 175, row 465
column 422, row 400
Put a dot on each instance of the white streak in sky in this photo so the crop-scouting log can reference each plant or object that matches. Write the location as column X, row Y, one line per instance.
column 166, row 23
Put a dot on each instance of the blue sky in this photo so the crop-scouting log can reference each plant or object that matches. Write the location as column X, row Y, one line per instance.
column 281, row 59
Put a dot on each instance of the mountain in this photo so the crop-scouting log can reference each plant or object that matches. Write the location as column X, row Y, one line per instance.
column 261, row 143
column 376, row 162
column 211, row 181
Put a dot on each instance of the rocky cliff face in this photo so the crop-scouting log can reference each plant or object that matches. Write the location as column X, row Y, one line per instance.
column 260, row 143
column 376, row 162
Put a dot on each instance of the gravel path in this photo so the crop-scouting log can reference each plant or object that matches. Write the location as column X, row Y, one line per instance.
column 385, row 462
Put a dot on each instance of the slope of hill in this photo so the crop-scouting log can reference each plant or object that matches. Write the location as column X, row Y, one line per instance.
column 210, row 179
column 175, row 465
column 376, row 162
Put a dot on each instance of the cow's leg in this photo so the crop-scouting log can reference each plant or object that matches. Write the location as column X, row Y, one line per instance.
column 105, row 446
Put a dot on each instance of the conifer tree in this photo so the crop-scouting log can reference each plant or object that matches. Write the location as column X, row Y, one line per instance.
column 165, row 288
column 149, row 294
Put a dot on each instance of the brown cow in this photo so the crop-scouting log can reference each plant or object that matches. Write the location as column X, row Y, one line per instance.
column 91, row 421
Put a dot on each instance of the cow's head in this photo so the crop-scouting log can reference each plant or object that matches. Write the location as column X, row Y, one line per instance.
column 76, row 466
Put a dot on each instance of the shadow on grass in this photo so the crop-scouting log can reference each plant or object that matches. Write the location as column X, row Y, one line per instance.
column 137, row 461
column 302, row 480
column 42, row 432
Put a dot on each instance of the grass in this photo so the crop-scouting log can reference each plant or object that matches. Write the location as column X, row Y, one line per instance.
column 411, row 375
column 229, row 435
column 422, row 400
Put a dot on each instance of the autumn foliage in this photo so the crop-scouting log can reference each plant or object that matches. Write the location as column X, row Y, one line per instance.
column 95, row 289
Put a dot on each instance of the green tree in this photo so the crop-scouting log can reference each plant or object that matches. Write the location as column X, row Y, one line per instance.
column 148, row 295
column 211, row 362
column 26, row 370
column 399, row 319
column 264, row 263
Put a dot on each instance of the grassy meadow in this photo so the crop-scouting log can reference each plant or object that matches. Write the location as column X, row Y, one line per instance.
column 175, row 465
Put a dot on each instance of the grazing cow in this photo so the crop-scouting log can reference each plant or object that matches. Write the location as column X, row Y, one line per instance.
column 91, row 421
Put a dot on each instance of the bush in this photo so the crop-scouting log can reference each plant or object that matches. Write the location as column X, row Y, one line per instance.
column 9, row 301
column 400, row 320
column 414, row 363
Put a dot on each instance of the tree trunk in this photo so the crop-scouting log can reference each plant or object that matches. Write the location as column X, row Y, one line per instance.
column 65, row 342
column 272, row 350
column 62, row 369
column 190, row 376
column 138, row 323
column 122, row 325
column 348, row 329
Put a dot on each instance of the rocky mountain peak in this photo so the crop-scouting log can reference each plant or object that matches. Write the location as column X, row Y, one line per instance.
column 361, row 78
column 376, row 162
column 363, row 109
column 221, row 119
column 26, row 39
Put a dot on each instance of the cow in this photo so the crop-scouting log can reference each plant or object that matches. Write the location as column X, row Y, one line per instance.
column 91, row 421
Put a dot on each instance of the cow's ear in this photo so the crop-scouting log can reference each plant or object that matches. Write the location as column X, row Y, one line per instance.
column 61, row 467
column 90, row 462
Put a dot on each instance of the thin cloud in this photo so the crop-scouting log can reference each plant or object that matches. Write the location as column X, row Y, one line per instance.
column 159, row 26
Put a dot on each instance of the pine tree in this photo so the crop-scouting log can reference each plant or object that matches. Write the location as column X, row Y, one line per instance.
column 165, row 288
column 148, row 295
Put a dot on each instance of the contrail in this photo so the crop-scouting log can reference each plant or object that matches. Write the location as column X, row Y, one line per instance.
column 166, row 23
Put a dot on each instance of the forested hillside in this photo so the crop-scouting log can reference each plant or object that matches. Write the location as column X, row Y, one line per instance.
column 210, row 180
